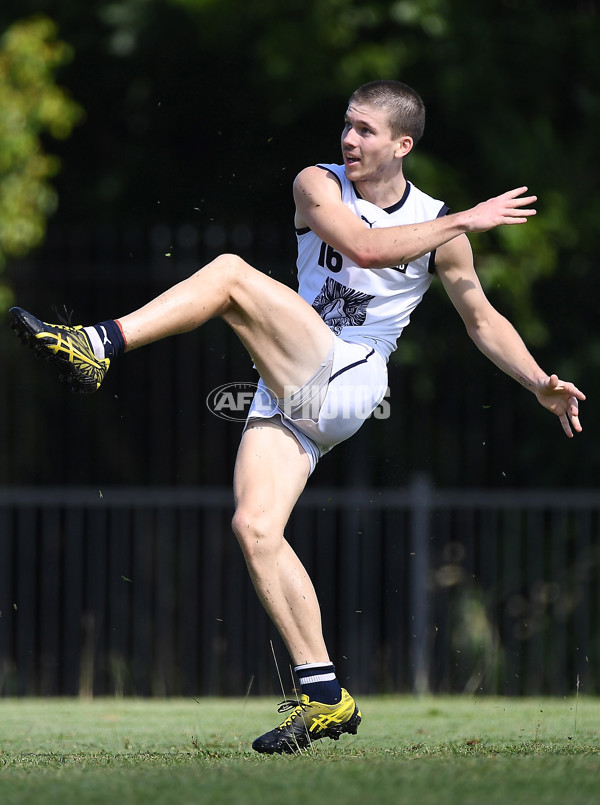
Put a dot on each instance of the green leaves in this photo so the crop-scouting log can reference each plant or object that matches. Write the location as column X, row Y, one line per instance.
column 31, row 105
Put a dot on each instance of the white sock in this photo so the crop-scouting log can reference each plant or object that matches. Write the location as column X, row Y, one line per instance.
column 96, row 342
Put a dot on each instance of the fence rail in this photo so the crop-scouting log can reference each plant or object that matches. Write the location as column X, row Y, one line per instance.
column 143, row 591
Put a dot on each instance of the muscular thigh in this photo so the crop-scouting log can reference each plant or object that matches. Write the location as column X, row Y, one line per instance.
column 285, row 336
column 271, row 471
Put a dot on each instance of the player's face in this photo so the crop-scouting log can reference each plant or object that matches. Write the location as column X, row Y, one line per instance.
column 368, row 149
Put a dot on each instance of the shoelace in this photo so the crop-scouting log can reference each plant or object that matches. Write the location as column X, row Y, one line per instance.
column 290, row 704
column 66, row 319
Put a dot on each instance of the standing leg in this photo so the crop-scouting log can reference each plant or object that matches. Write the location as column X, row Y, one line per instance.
column 270, row 474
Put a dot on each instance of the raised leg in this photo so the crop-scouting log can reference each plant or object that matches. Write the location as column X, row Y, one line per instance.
column 285, row 337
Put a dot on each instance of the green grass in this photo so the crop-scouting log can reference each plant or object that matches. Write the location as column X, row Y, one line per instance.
column 408, row 750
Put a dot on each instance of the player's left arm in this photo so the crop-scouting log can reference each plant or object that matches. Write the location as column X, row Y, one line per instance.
column 496, row 337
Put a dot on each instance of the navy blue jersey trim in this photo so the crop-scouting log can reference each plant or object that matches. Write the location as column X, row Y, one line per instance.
column 335, row 176
column 431, row 267
column 352, row 365
column 400, row 203
column 395, row 206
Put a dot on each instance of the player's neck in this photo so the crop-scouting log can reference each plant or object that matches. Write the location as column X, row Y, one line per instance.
column 382, row 193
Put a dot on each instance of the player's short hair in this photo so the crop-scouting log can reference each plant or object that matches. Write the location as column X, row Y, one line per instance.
column 403, row 105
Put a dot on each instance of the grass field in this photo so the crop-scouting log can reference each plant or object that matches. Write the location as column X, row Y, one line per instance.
column 408, row 750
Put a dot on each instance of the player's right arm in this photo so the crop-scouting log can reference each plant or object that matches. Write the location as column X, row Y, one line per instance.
column 319, row 206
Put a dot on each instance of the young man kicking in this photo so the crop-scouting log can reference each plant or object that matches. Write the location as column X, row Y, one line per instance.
column 369, row 243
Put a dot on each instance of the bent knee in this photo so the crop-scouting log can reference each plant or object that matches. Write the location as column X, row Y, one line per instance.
column 252, row 530
column 229, row 273
column 246, row 527
column 230, row 263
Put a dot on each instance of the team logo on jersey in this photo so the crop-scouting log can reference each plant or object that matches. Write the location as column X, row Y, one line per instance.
column 340, row 306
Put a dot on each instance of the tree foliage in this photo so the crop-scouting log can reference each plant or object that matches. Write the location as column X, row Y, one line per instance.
column 31, row 105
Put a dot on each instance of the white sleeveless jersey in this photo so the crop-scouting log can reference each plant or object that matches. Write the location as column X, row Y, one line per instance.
column 368, row 306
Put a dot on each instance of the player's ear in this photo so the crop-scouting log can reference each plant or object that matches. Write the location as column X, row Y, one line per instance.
column 404, row 145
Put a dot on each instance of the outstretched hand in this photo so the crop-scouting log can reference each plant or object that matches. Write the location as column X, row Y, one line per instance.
column 509, row 208
column 563, row 400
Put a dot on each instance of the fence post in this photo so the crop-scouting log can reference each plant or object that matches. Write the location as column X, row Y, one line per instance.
column 421, row 498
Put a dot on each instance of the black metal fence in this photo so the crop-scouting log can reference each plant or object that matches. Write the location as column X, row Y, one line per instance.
column 144, row 591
